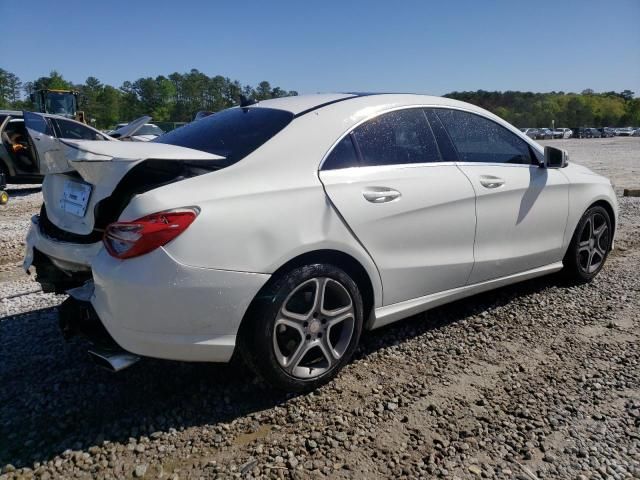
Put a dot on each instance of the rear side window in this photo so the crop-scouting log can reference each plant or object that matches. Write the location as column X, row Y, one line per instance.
column 397, row 138
column 478, row 139
column 342, row 156
column 233, row 133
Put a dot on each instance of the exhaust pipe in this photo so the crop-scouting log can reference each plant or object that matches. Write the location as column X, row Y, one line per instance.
column 77, row 316
column 113, row 360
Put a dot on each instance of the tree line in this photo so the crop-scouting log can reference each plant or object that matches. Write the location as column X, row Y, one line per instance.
column 178, row 96
column 173, row 98
column 585, row 109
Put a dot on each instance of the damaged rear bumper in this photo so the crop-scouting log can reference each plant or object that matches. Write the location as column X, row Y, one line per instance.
column 151, row 305
column 68, row 257
column 155, row 306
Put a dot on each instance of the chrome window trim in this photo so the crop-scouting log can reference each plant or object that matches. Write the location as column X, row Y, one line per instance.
column 513, row 130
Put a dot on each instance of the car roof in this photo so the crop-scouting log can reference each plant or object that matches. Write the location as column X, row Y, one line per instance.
column 302, row 104
column 20, row 114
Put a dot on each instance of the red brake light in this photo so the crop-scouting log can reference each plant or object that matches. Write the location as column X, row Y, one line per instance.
column 131, row 239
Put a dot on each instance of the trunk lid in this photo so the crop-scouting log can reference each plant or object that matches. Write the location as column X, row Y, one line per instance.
column 80, row 174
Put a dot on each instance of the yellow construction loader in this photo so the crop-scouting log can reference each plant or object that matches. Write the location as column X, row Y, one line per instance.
column 58, row 102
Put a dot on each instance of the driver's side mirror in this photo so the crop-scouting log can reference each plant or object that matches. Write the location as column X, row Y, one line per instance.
column 555, row 157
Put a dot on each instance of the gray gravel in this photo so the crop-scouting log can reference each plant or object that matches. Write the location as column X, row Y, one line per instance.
column 537, row 380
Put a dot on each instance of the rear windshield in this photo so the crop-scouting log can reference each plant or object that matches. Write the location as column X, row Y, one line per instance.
column 233, row 133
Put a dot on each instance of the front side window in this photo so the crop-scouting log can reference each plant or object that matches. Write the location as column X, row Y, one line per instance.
column 76, row 131
column 38, row 123
column 478, row 139
column 396, row 138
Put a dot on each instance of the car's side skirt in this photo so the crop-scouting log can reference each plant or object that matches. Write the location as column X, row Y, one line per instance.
column 391, row 313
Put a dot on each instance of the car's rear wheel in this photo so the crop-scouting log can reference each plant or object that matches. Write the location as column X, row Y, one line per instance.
column 589, row 246
column 304, row 328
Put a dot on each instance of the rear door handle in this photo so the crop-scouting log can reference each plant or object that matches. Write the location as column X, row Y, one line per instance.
column 489, row 181
column 380, row 194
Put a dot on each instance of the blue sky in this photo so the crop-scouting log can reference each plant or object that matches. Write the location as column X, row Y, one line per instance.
column 319, row 46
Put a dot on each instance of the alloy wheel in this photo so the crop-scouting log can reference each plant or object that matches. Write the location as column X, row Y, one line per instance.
column 593, row 243
column 314, row 327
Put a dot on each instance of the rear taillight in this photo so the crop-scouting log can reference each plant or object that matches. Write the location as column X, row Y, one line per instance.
column 131, row 239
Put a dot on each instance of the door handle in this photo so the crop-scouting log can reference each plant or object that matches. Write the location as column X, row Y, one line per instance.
column 380, row 194
column 489, row 181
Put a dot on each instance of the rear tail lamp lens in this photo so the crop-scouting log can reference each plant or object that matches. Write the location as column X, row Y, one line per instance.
column 132, row 239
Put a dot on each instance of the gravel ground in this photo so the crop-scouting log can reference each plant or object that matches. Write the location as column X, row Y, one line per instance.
column 536, row 380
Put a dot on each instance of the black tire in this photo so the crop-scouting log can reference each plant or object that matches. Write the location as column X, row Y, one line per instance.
column 260, row 344
column 588, row 250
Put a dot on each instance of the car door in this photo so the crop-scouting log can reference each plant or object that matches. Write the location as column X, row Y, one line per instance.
column 45, row 146
column 413, row 212
column 521, row 208
column 16, row 145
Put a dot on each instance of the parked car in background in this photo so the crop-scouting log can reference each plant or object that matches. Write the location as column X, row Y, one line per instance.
column 562, row 133
column 581, row 132
column 18, row 161
column 282, row 230
column 144, row 133
column 545, row 134
column 593, row 133
column 607, row 132
column 530, row 132
column 625, row 132
column 636, row 132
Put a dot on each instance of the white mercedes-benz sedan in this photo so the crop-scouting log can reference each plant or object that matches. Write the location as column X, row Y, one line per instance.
column 280, row 230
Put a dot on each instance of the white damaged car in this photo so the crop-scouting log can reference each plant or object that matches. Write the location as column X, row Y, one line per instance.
column 281, row 230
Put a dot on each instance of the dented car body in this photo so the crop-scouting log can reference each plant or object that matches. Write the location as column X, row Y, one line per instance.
column 283, row 229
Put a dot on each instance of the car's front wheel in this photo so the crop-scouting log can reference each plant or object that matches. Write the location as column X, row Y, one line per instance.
column 304, row 328
column 589, row 246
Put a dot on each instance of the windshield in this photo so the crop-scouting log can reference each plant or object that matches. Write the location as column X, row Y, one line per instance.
column 149, row 129
column 61, row 104
column 233, row 133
